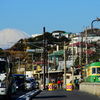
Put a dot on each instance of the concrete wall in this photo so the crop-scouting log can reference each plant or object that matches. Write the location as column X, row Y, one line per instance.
column 93, row 88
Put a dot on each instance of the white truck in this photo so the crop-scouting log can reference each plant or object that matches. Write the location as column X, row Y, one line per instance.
column 5, row 77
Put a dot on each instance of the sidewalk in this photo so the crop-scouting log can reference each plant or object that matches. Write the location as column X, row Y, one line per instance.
column 61, row 94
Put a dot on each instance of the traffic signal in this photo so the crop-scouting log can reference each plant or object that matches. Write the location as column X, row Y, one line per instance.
column 77, row 70
column 79, row 66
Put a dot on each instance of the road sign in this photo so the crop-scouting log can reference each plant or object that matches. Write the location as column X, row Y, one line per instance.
column 39, row 50
column 34, row 50
column 30, row 50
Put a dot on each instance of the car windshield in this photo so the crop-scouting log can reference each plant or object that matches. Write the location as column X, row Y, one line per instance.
column 19, row 78
column 3, row 66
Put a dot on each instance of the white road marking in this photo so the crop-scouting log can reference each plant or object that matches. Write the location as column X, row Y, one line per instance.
column 27, row 95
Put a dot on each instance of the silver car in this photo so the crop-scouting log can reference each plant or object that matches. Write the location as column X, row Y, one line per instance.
column 29, row 85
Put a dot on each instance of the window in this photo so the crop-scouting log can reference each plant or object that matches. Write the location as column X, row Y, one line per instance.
column 93, row 71
column 68, row 77
column 19, row 77
column 35, row 67
column 98, row 70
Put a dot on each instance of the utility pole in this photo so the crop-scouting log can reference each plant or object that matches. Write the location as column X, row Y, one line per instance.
column 72, row 61
column 19, row 62
column 44, row 57
column 25, row 67
column 48, row 67
column 32, row 65
column 86, row 45
column 72, row 52
column 19, row 67
column 64, row 66
column 46, row 64
column 86, row 52
column 80, row 53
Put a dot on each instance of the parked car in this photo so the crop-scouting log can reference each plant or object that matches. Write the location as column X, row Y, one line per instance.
column 37, row 85
column 29, row 85
column 20, row 81
column 33, row 82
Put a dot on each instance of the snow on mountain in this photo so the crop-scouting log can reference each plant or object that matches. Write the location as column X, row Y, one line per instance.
column 8, row 37
column 35, row 35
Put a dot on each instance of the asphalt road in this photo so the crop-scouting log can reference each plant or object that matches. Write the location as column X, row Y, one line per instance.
column 20, row 93
column 65, row 95
column 14, row 97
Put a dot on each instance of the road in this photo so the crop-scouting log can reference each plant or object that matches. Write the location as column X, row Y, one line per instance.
column 65, row 95
column 59, row 94
column 18, row 94
column 21, row 95
column 15, row 96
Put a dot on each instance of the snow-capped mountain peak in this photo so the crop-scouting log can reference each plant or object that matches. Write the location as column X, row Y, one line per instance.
column 8, row 37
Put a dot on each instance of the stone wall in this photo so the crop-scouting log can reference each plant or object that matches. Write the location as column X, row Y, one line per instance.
column 93, row 88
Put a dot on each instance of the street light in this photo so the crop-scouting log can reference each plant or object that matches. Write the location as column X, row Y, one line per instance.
column 97, row 19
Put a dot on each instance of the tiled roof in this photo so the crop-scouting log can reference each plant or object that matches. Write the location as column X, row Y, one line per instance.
column 57, row 53
column 88, row 52
column 79, row 43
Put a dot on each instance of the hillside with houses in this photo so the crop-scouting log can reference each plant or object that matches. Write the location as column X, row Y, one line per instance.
column 61, row 47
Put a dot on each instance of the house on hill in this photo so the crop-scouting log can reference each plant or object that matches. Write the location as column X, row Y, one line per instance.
column 77, row 46
column 56, row 56
column 67, row 34
column 59, row 34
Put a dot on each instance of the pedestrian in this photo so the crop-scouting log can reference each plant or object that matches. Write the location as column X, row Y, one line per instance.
column 61, row 84
column 58, row 83
column 76, row 83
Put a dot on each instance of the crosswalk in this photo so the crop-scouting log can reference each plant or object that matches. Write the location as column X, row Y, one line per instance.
column 28, row 95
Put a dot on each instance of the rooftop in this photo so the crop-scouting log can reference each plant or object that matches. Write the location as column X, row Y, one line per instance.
column 79, row 43
column 57, row 53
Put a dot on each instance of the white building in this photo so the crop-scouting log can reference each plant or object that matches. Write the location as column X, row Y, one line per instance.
column 56, row 35
column 60, row 34
column 67, row 34
column 89, row 39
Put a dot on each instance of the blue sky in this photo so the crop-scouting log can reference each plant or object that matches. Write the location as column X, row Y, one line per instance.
column 31, row 16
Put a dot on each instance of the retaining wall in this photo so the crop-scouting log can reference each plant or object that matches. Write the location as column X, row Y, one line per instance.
column 93, row 88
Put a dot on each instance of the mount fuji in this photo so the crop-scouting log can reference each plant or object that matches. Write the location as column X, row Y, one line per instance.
column 8, row 37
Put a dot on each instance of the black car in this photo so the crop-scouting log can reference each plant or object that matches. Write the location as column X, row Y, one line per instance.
column 20, row 81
